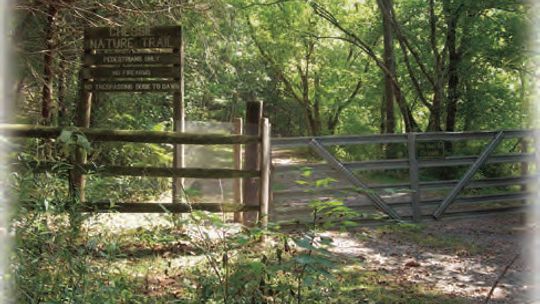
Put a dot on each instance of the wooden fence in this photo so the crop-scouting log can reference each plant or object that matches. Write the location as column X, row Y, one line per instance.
column 261, row 171
column 413, row 198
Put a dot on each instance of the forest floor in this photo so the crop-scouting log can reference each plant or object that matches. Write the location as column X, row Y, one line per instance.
column 454, row 261
column 449, row 261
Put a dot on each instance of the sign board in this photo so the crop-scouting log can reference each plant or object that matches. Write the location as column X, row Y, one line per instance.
column 134, row 59
column 114, row 55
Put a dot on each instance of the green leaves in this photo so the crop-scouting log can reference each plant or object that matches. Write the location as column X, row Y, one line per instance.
column 72, row 140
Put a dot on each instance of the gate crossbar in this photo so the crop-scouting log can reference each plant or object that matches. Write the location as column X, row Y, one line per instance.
column 451, row 197
column 348, row 174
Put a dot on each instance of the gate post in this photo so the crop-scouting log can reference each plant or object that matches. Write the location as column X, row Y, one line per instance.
column 413, row 176
column 265, row 163
column 84, row 110
column 237, row 183
column 179, row 125
column 251, row 159
column 524, row 165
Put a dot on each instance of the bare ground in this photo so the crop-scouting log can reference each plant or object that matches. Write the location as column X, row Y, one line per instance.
column 460, row 258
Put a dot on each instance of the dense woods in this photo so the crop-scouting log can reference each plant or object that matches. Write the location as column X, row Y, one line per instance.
column 337, row 67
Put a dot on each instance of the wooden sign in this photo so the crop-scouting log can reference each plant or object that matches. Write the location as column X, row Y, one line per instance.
column 129, row 72
column 134, row 58
column 114, row 38
column 116, row 70
column 131, row 86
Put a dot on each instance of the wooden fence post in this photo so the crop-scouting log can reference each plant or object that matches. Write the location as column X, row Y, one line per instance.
column 414, row 177
column 525, row 164
column 264, row 180
column 237, row 183
column 179, row 124
column 251, row 161
column 84, row 110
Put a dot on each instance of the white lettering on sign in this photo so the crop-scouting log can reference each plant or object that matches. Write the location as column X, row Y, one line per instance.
column 118, row 59
column 120, row 73
column 143, row 86
column 157, row 42
column 122, row 59
column 132, row 86
column 129, row 31
column 111, row 43
column 113, row 86
column 129, row 43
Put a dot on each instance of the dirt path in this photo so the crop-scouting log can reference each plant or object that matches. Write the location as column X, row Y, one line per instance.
column 460, row 258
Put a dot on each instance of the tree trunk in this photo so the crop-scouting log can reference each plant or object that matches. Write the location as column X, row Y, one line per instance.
column 454, row 59
column 62, row 107
column 46, row 105
column 435, row 115
column 389, row 62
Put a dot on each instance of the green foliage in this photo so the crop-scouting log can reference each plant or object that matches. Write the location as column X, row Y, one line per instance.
column 56, row 260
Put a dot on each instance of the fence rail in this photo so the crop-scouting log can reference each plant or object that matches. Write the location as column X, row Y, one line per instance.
column 419, row 198
column 291, row 142
column 390, row 164
column 108, row 207
column 134, row 136
column 79, row 167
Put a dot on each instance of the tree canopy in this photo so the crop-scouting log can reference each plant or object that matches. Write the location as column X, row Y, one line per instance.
column 321, row 67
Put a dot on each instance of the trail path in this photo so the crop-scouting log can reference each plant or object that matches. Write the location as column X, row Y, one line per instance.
column 458, row 257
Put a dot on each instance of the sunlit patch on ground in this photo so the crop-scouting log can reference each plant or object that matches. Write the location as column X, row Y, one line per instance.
column 460, row 258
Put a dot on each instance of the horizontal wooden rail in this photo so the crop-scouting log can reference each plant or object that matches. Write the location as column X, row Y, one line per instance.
column 294, row 224
column 404, row 164
column 150, row 171
column 105, row 207
column 472, row 199
column 431, row 185
column 474, row 135
column 427, row 205
column 291, row 142
column 158, row 137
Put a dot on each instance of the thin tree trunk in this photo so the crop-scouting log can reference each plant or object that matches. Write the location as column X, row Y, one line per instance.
column 454, row 59
column 46, row 105
column 62, row 108
column 388, row 100
column 435, row 115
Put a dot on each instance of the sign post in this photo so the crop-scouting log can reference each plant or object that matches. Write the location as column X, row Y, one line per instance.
column 133, row 59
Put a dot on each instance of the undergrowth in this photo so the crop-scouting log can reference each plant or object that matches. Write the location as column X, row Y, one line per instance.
column 200, row 258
